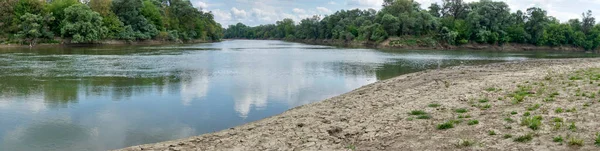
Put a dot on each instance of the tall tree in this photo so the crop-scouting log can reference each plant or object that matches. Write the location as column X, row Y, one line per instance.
column 537, row 21
column 57, row 8
column 136, row 25
column 32, row 27
column 82, row 25
column 587, row 22
column 457, row 9
column 435, row 10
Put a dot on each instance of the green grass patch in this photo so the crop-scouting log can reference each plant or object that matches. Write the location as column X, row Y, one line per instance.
column 559, row 110
column 526, row 114
column 445, row 126
column 492, row 132
column 520, row 94
column 508, row 119
column 484, row 100
column 573, row 141
column 473, row 122
column 557, row 139
column 532, row 122
column 507, row 136
column 514, row 113
column 434, row 105
column 418, row 112
column 487, row 106
column 597, row 141
column 575, row 78
column 558, row 120
column 534, row 107
column 461, row 110
column 524, row 138
column 423, row 117
column 573, row 127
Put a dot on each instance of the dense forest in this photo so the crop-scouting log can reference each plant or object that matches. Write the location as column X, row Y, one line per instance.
column 454, row 22
column 90, row 21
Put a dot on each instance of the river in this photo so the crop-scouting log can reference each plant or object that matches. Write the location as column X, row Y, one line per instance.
column 99, row 98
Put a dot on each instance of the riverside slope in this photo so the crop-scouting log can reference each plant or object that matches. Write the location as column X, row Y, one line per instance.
column 376, row 116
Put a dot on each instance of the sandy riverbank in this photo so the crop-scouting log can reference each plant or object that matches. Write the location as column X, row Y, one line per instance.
column 506, row 106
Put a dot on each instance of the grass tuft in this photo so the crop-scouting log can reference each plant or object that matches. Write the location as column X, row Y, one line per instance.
column 532, row 122
column 573, row 141
column 557, row 139
column 534, row 107
column 424, row 117
column 445, row 126
column 461, row 110
column 524, row 138
column 434, row 105
column 473, row 122
column 418, row 112
column 492, row 132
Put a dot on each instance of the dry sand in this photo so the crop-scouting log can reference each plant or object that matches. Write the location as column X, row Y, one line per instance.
column 376, row 116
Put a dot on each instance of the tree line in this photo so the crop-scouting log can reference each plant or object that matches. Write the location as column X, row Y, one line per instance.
column 30, row 21
column 454, row 22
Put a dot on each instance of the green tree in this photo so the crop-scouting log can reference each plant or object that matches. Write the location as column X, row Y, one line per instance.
column 588, row 22
column 456, row 9
column 32, row 27
column 128, row 12
column 82, row 25
column 6, row 16
column 435, row 10
column 537, row 21
column 151, row 11
column 57, row 8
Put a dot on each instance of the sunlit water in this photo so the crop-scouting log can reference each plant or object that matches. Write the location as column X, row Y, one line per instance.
column 112, row 97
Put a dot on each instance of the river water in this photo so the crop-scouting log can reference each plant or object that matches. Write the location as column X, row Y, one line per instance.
column 103, row 98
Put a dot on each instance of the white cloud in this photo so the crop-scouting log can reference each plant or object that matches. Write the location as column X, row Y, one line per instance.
column 298, row 11
column 323, row 10
column 365, row 3
column 332, row 3
column 202, row 5
column 238, row 14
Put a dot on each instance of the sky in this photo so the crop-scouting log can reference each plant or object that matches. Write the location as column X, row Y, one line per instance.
column 257, row 12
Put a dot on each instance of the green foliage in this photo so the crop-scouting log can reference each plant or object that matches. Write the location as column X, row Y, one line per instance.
column 434, row 105
column 32, row 27
column 136, row 25
column 119, row 19
column 473, row 122
column 447, row 125
column 461, row 110
column 574, row 141
column 82, row 25
column 524, row 138
column 532, row 122
column 57, row 8
column 418, row 112
column 557, row 139
column 151, row 11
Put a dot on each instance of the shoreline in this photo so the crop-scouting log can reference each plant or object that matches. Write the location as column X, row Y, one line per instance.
column 105, row 43
column 378, row 116
column 509, row 47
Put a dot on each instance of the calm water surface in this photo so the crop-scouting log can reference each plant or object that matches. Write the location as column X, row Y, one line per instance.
column 113, row 97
